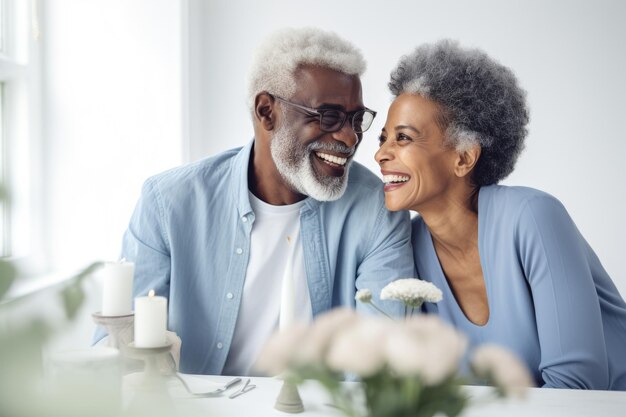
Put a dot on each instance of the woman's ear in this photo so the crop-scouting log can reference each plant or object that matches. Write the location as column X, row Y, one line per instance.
column 466, row 160
column 264, row 110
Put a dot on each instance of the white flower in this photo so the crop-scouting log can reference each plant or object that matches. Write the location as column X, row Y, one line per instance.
column 506, row 370
column 278, row 352
column 425, row 346
column 315, row 345
column 358, row 348
column 411, row 291
column 364, row 295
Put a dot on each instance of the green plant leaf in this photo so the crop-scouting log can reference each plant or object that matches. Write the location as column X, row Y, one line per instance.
column 73, row 294
column 73, row 297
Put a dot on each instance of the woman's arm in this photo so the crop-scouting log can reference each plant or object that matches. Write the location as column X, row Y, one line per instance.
column 554, row 256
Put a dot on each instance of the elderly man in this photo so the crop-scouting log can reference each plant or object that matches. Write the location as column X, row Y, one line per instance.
column 221, row 237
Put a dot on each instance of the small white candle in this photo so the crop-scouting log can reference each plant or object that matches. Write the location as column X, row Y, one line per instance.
column 288, row 290
column 150, row 321
column 117, row 288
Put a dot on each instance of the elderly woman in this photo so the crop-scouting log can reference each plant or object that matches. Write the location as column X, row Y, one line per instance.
column 513, row 267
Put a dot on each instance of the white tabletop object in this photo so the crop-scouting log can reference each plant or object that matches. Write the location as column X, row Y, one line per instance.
column 150, row 321
column 117, row 288
column 259, row 402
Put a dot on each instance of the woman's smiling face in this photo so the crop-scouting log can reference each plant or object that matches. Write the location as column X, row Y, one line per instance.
column 416, row 163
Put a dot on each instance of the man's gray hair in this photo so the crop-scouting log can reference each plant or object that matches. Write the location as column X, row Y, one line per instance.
column 276, row 60
column 480, row 99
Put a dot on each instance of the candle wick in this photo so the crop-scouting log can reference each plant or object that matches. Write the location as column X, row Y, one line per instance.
column 151, row 293
column 289, row 240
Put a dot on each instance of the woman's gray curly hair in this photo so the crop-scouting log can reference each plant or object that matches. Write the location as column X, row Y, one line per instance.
column 275, row 62
column 480, row 99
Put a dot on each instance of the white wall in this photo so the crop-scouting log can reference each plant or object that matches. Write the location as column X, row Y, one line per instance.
column 112, row 117
column 569, row 55
column 126, row 84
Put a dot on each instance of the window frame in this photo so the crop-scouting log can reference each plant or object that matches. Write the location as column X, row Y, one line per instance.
column 21, row 167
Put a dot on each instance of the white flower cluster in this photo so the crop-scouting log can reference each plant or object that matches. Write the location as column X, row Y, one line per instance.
column 503, row 367
column 412, row 292
column 421, row 346
column 299, row 345
column 427, row 347
column 343, row 341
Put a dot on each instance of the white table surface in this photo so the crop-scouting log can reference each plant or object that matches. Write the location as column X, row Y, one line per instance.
column 539, row 402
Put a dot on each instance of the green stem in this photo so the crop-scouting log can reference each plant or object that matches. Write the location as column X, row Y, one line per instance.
column 371, row 303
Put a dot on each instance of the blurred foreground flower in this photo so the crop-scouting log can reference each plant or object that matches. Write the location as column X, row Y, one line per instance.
column 492, row 362
column 406, row 368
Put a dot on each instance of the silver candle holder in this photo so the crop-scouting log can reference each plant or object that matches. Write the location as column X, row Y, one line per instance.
column 150, row 395
column 152, row 377
column 289, row 400
column 119, row 328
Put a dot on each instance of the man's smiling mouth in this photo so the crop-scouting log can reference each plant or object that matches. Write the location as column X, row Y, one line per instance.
column 332, row 159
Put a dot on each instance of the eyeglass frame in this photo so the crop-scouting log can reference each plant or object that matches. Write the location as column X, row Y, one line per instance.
column 320, row 113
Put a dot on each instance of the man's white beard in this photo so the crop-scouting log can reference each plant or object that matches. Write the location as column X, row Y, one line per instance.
column 294, row 163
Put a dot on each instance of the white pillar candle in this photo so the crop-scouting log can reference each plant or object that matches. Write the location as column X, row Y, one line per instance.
column 117, row 288
column 150, row 321
column 288, row 290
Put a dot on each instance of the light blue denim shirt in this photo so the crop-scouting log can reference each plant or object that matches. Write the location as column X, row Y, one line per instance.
column 190, row 240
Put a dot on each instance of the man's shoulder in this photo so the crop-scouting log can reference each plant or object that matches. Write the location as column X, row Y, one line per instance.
column 204, row 171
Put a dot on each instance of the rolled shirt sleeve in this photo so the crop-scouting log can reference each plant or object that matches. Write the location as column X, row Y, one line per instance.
column 390, row 257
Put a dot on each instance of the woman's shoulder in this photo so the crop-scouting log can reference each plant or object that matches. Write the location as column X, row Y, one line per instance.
column 514, row 195
column 526, row 212
column 502, row 199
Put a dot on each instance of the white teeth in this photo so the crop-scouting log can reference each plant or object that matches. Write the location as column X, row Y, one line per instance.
column 387, row 179
column 332, row 158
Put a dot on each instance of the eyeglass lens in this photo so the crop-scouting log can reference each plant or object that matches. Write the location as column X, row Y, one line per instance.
column 332, row 120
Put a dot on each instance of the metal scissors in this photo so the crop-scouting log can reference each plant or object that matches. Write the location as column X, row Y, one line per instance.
column 247, row 387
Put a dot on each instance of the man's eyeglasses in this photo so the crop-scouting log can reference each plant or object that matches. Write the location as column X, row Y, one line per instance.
column 332, row 120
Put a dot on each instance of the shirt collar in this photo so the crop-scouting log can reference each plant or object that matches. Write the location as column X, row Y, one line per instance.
column 240, row 168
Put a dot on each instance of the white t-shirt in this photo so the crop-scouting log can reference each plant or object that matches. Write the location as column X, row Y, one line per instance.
column 274, row 228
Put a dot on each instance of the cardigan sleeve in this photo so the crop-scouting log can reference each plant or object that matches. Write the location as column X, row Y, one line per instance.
column 554, row 256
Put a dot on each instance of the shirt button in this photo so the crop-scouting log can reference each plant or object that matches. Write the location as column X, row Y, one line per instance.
column 244, row 219
column 229, row 295
column 220, row 345
column 238, row 251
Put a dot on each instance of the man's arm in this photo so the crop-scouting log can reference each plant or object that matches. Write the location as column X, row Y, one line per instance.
column 390, row 257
